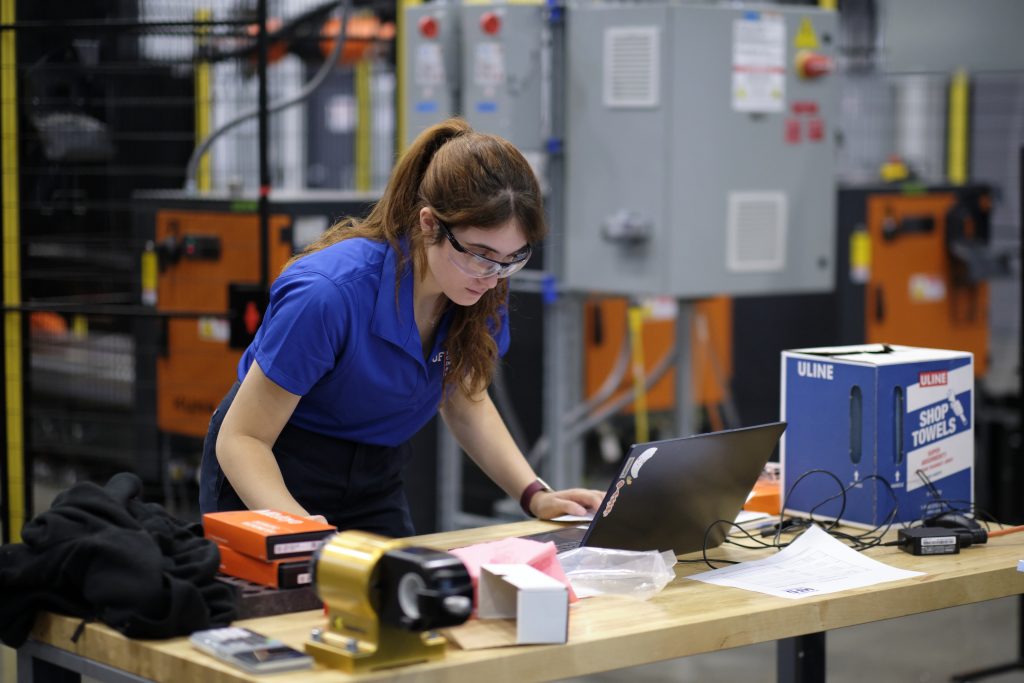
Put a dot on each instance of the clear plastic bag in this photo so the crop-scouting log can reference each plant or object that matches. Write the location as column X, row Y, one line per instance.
column 603, row 571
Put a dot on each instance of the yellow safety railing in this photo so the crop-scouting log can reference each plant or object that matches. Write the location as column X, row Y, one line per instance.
column 13, row 385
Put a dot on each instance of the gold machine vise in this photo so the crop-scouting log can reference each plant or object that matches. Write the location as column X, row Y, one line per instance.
column 383, row 601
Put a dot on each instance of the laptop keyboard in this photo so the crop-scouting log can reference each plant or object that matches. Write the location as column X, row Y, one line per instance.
column 564, row 539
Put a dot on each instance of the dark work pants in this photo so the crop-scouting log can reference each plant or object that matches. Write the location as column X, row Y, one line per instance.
column 353, row 485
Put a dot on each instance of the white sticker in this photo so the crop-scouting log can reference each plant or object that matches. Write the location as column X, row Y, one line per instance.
column 758, row 63
column 489, row 67
column 926, row 288
column 305, row 229
column 340, row 114
column 296, row 547
column 428, row 71
column 214, row 329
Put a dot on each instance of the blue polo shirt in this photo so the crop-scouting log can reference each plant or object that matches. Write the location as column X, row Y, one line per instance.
column 334, row 335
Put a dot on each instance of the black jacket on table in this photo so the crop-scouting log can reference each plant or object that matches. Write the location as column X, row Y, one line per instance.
column 100, row 552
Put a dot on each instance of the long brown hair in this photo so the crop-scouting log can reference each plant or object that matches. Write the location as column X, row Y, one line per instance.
column 467, row 179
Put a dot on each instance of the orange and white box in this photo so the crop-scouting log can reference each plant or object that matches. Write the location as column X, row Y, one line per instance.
column 266, row 534
column 290, row 573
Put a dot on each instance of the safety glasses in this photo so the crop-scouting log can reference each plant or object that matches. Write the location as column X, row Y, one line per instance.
column 478, row 266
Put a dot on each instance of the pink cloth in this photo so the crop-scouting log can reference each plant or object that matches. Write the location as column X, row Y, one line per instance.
column 540, row 556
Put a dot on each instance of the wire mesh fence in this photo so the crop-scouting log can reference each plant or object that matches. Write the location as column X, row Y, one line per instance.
column 112, row 101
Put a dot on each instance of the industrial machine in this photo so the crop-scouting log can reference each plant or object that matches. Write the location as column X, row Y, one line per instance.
column 921, row 257
column 606, row 336
column 384, row 599
column 431, row 65
column 699, row 157
column 913, row 265
column 484, row 62
column 686, row 151
column 207, row 291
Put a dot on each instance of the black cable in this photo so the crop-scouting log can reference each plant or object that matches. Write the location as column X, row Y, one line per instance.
column 936, row 494
column 868, row 539
column 788, row 494
column 873, row 537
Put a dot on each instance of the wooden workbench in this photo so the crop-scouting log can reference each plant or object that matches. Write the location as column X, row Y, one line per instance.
column 686, row 618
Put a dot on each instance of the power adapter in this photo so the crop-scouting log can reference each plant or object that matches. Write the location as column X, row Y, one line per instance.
column 928, row 541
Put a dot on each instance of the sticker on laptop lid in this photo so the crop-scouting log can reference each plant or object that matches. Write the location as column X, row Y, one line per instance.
column 630, row 471
column 634, row 471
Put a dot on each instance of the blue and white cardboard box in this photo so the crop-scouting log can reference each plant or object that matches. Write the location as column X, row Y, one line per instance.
column 903, row 414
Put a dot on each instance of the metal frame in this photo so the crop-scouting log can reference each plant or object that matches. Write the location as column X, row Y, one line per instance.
column 46, row 663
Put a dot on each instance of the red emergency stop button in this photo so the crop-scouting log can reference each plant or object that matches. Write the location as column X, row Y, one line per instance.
column 813, row 64
column 251, row 317
column 490, row 23
column 428, row 26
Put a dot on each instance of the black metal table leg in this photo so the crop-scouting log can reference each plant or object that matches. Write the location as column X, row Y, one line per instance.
column 801, row 659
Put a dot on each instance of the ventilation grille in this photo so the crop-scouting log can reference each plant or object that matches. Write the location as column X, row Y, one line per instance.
column 756, row 231
column 631, row 66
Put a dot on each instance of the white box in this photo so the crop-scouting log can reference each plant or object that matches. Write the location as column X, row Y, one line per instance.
column 538, row 603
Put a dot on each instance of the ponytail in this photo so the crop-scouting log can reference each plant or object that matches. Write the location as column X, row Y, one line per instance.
column 397, row 211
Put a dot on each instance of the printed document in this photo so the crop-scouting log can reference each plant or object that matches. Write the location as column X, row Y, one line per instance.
column 813, row 564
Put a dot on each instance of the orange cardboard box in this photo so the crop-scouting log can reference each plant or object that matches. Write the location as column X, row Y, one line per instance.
column 290, row 573
column 765, row 498
column 266, row 534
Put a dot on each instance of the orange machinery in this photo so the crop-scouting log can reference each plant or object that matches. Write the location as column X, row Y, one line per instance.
column 925, row 267
column 208, row 291
column 912, row 265
column 605, row 332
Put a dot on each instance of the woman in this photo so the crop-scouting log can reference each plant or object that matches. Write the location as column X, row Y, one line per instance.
column 374, row 328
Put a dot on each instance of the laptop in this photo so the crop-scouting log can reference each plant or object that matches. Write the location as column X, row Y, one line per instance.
column 669, row 492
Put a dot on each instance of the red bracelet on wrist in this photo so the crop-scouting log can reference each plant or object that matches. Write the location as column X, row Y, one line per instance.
column 534, row 487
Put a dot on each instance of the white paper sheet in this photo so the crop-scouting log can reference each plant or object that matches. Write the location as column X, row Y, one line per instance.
column 814, row 564
column 574, row 518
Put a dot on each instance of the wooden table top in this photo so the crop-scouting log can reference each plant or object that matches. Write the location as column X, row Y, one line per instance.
column 605, row 632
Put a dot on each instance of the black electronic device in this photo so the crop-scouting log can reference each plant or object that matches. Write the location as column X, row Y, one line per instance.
column 928, row 541
column 952, row 520
column 967, row 528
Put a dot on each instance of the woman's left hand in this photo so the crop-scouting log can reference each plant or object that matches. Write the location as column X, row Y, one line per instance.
column 551, row 504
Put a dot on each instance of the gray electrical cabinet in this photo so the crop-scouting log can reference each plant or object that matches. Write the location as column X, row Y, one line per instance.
column 698, row 161
column 503, row 68
column 432, row 66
